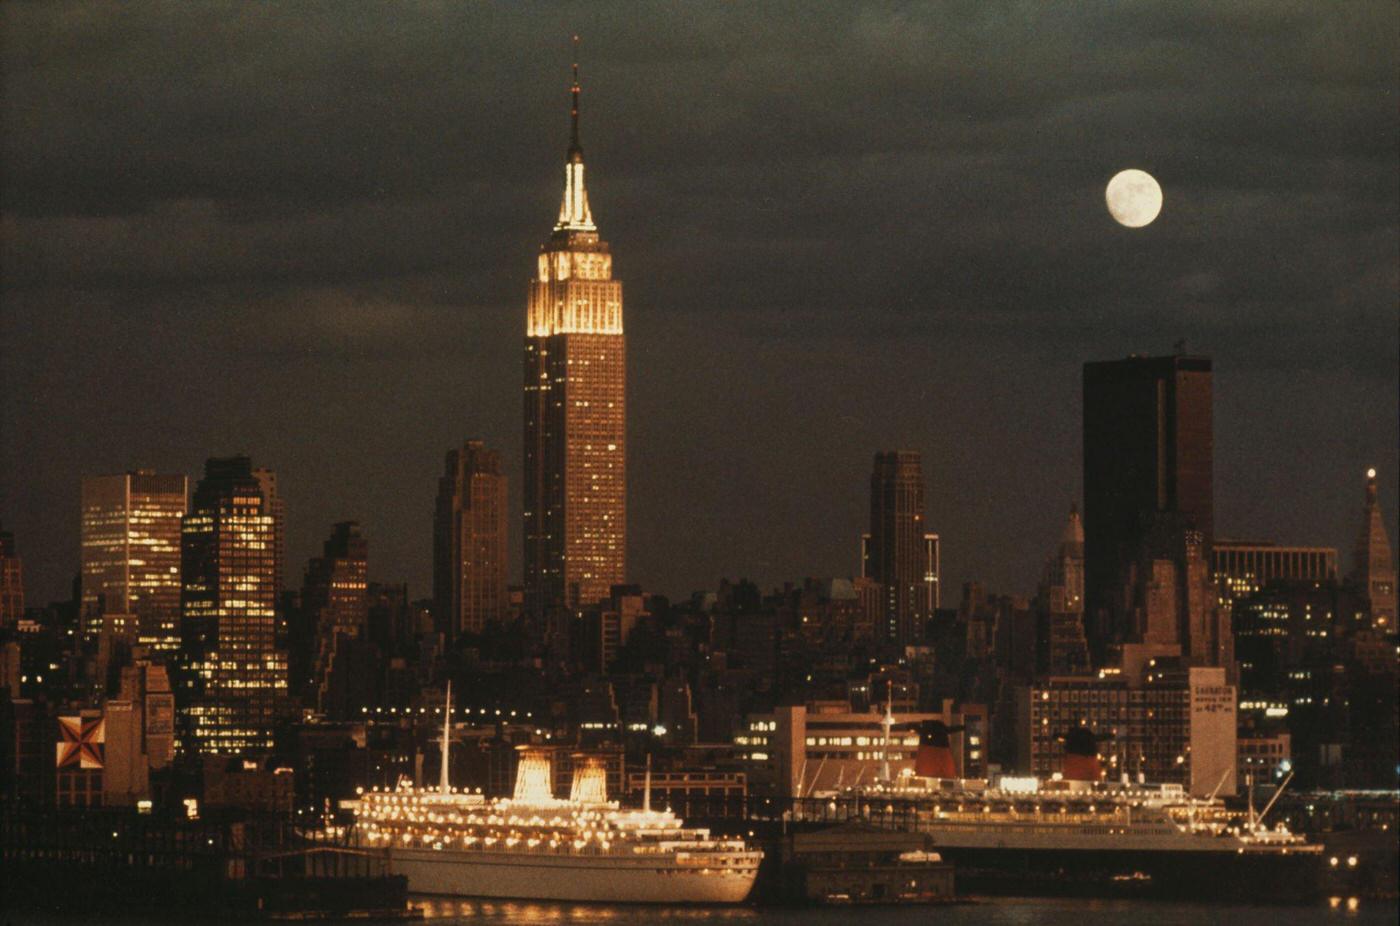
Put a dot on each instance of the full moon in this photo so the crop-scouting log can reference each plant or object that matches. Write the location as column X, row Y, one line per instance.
column 1134, row 198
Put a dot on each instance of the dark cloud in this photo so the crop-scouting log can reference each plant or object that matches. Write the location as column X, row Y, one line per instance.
column 304, row 231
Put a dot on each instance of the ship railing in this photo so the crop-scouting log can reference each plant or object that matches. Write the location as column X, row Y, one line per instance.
column 1029, row 819
column 563, row 847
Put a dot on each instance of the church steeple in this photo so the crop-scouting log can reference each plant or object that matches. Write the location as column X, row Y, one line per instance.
column 574, row 214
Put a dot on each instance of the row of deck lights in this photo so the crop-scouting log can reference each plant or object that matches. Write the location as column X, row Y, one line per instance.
column 438, row 839
column 400, row 805
column 464, row 711
column 1063, row 810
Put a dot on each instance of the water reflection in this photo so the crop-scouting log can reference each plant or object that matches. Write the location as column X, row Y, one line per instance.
column 510, row 911
column 1334, row 911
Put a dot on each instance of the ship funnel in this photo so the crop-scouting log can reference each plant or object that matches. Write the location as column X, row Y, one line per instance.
column 590, row 781
column 935, row 756
column 532, row 778
column 1081, row 761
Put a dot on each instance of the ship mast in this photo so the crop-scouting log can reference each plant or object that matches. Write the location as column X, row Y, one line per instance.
column 1270, row 806
column 446, row 739
column 1219, row 784
column 1249, row 784
column 887, row 722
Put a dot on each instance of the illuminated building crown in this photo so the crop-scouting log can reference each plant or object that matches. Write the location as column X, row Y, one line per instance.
column 574, row 291
column 574, row 214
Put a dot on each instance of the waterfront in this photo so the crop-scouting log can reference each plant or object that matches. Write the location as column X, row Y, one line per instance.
column 975, row 912
column 979, row 912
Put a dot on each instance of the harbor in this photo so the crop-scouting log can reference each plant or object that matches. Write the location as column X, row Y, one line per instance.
column 252, row 868
column 815, row 853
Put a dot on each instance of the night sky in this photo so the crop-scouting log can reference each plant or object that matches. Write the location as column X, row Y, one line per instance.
column 304, row 232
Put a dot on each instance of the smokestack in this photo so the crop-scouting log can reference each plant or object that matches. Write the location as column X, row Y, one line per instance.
column 935, row 756
column 1081, row 756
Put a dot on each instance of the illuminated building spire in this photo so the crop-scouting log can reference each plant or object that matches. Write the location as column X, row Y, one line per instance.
column 574, row 214
column 575, row 479
column 1375, row 568
column 575, row 149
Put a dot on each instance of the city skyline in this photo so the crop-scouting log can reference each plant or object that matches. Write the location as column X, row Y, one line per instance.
column 996, row 423
column 987, row 487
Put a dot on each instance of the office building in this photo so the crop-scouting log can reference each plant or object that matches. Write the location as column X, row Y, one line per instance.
column 469, row 542
column 276, row 507
column 1061, row 646
column 11, row 582
column 335, row 605
column 390, row 617
column 1265, row 757
column 1147, row 476
column 1171, row 606
column 575, row 488
column 1166, row 724
column 1242, row 568
column 800, row 749
column 603, row 628
column 900, row 553
column 139, row 733
column 130, row 533
column 1287, row 634
column 234, row 677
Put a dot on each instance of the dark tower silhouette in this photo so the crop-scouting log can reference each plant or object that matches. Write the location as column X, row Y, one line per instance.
column 1148, row 451
column 469, row 541
column 897, row 549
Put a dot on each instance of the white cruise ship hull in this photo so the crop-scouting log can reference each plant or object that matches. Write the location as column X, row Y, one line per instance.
column 579, row 878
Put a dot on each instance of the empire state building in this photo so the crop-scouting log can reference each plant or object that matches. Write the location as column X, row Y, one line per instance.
column 575, row 486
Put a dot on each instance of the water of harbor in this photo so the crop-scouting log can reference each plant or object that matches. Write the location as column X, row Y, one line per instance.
column 988, row 912
column 976, row 912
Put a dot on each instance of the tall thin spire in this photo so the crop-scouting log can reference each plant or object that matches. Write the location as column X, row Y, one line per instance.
column 1375, row 567
column 574, row 214
column 574, row 147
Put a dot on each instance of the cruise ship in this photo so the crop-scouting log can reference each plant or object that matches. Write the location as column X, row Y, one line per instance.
column 535, row 846
column 1076, row 833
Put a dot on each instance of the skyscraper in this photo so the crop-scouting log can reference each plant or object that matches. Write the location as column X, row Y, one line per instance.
column 11, row 582
column 335, row 603
column 131, row 555
column 233, row 673
column 1375, row 567
column 575, row 491
column 1147, row 472
column 1243, row 568
column 1063, row 650
column 469, row 541
column 277, row 507
column 900, row 553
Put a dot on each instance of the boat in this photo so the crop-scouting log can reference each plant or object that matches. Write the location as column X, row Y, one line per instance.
column 534, row 846
column 1078, row 834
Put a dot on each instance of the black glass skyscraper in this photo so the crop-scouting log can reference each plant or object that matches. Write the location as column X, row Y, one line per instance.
column 1148, row 451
